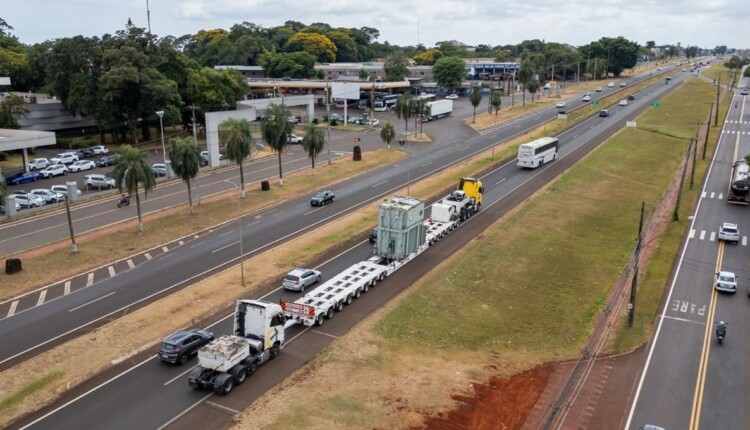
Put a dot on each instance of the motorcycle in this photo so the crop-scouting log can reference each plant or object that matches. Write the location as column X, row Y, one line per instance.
column 721, row 331
column 124, row 201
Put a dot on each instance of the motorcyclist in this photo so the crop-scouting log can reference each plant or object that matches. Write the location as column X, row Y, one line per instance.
column 124, row 199
column 721, row 330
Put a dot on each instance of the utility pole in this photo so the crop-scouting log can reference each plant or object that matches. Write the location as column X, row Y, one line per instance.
column 695, row 155
column 195, row 139
column 634, row 283
column 328, row 114
column 718, row 88
column 708, row 129
column 70, row 226
column 676, row 213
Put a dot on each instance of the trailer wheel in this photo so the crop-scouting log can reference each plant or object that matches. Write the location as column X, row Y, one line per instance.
column 357, row 293
column 238, row 374
column 366, row 287
column 382, row 276
column 374, row 282
column 319, row 320
column 339, row 306
column 349, row 299
column 251, row 368
column 329, row 314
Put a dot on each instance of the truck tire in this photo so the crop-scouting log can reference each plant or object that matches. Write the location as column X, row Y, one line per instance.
column 252, row 367
column 239, row 374
column 357, row 293
column 275, row 351
column 339, row 306
column 349, row 299
column 329, row 314
column 366, row 287
column 223, row 384
column 319, row 320
column 195, row 375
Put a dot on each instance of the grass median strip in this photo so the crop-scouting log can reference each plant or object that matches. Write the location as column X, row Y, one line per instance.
column 523, row 294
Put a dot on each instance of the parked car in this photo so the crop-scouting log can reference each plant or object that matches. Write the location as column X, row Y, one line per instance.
column 24, row 178
column 560, row 105
column 48, row 196
column 293, row 119
column 159, row 170
column 372, row 122
column 293, row 138
column 178, row 347
column 64, row 158
column 2, row 207
column 54, row 170
column 28, row 201
column 729, row 232
column 586, row 99
column 108, row 160
column 84, row 153
column 63, row 190
column 299, row 279
column 322, row 198
column 451, row 96
column 38, row 163
column 100, row 150
column 623, row 102
column 80, row 166
column 726, row 281
column 99, row 181
column 355, row 120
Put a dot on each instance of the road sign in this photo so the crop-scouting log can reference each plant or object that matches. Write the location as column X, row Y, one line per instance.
column 355, row 140
column 594, row 102
column 655, row 104
column 630, row 124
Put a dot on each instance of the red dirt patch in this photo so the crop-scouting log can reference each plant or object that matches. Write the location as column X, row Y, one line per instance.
column 498, row 404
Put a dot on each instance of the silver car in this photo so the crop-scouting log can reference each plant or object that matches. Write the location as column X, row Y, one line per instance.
column 729, row 232
column 726, row 281
column 48, row 196
column 299, row 279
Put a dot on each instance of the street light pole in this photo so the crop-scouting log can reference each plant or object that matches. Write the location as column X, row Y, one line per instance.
column 161, row 128
column 239, row 221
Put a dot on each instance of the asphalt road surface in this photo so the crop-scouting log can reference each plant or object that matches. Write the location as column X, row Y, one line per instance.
column 689, row 380
column 152, row 392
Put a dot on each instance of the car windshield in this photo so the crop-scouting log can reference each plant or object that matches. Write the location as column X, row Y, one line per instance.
column 319, row 195
column 730, row 230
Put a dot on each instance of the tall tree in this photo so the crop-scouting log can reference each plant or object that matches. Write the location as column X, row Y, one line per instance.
column 12, row 107
column 404, row 109
column 275, row 127
column 525, row 74
column 449, row 72
column 388, row 133
column 475, row 97
column 395, row 66
column 313, row 142
column 496, row 100
column 314, row 43
column 130, row 173
column 185, row 157
column 533, row 87
column 236, row 133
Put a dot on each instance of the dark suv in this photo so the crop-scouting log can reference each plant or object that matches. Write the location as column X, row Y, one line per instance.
column 179, row 346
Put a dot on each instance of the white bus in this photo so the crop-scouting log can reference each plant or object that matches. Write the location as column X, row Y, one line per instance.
column 538, row 152
column 383, row 103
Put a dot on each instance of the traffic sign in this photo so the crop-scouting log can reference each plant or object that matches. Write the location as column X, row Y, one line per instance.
column 355, row 140
column 655, row 104
column 594, row 102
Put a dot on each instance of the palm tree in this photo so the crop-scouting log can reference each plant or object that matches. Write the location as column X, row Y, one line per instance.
column 388, row 133
column 313, row 142
column 404, row 109
column 475, row 97
column 525, row 74
column 236, row 133
column 533, row 87
column 274, row 127
column 185, row 159
column 131, row 172
column 496, row 100
column 419, row 111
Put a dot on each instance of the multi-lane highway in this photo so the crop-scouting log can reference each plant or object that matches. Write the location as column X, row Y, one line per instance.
column 155, row 395
column 689, row 380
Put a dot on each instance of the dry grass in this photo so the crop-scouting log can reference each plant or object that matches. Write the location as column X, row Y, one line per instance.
column 55, row 263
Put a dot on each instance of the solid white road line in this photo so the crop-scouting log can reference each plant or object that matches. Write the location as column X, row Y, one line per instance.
column 179, row 376
column 93, row 301
column 684, row 320
column 184, row 412
column 223, row 407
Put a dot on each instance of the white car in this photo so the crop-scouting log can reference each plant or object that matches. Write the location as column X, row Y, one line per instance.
column 560, row 105
column 611, row 85
column 28, row 201
column 598, row 89
column 38, row 163
column 451, row 96
column 100, row 150
column 373, row 122
column 54, row 170
column 64, row 158
column 729, row 232
column 586, row 98
column 623, row 84
column 80, row 166
column 99, row 181
column 623, row 102
column 726, row 281
column 63, row 190
column 293, row 138
column 48, row 196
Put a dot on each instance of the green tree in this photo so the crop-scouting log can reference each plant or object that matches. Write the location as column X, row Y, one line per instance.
column 239, row 142
column 185, row 158
column 362, row 75
column 275, row 127
column 395, row 66
column 313, row 142
column 132, row 172
column 404, row 109
column 346, row 47
column 12, row 107
column 496, row 100
column 388, row 133
column 299, row 65
column 475, row 97
column 533, row 87
column 525, row 74
column 449, row 72
column 429, row 57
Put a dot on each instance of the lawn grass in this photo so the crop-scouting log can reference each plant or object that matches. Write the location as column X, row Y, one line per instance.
column 28, row 390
